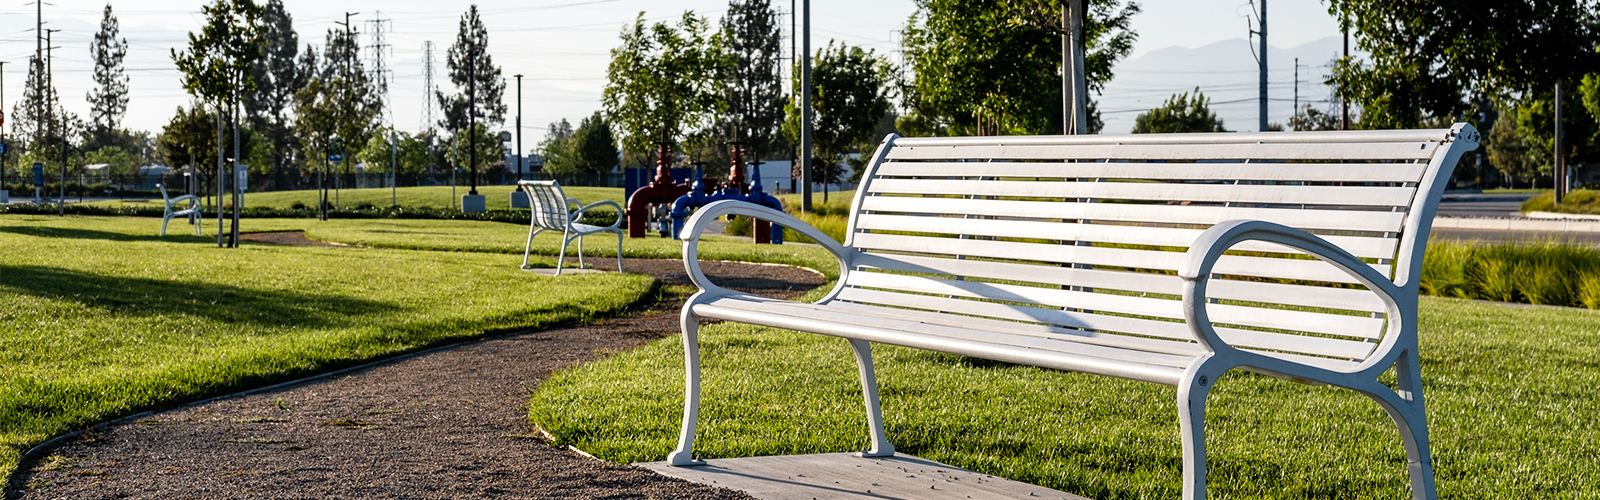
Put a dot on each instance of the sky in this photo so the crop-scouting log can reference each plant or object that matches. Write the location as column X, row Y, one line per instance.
column 561, row 47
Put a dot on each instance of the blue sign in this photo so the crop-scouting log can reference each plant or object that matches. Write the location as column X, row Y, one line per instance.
column 336, row 157
column 38, row 175
column 2, row 148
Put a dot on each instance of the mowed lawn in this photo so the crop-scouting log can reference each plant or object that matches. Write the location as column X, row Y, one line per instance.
column 101, row 318
column 495, row 197
column 1512, row 395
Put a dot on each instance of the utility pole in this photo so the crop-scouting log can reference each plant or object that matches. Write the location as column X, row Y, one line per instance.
column 394, row 168
column 519, row 127
column 1295, row 111
column 1262, row 60
column 1074, row 98
column 50, row 84
column 805, row 106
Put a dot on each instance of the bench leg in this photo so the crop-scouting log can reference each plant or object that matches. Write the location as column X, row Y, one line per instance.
column 164, row 220
column 528, row 248
column 1410, row 417
column 869, row 389
column 684, row 455
column 580, row 252
column 561, row 259
column 619, row 250
column 1192, row 395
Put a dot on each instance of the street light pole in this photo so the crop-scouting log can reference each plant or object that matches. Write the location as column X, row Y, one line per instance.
column 472, row 116
column 805, row 106
column 519, row 127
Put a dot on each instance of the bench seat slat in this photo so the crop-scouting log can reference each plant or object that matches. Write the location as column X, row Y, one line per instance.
column 1331, row 324
column 1315, row 172
column 1309, row 219
column 1101, row 328
column 1253, row 291
column 910, row 150
column 1266, row 267
column 1234, row 193
column 1366, row 247
column 1059, row 355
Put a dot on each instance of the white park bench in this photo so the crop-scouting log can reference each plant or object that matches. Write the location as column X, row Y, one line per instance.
column 552, row 211
column 168, row 213
column 1167, row 258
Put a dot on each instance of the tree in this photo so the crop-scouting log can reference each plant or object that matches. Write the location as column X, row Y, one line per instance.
column 408, row 153
column 490, row 151
column 594, row 148
column 1509, row 151
column 278, row 76
column 987, row 67
column 108, row 101
column 472, row 42
column 1433, row 58
column 557, row 141
column 850, row 86
column 216, row 67
column 1180, row 114
column 189, row 139
column 352, row 92
column 662, row 82
column 36, row 115
column 754, row 87
column 1309, row 118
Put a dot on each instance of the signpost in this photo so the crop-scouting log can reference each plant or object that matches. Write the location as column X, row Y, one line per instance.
column 38, row 182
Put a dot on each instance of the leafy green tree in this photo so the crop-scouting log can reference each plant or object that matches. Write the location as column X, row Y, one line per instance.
column 851, row 89
column 754, row 86
column 1433, row 58
column 1509, row 151
column 1181, row 113
column 108, row 100
column 189, row 139
column 987, row 67
column 1310, row 118
column 557, row 141
column 594, row 148
column 491, row 154
column 662, row 83
column 36, row 117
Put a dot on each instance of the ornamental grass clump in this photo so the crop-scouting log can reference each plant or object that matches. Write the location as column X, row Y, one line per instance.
column 1547, row 272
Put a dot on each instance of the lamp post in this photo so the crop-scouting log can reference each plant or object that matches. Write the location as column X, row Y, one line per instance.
column 519, row 127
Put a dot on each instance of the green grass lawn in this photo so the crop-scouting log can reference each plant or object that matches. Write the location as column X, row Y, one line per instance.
column 1511, row 393
column 101, row 318
column 497, row 197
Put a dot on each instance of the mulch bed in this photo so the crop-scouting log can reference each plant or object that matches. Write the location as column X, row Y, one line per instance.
column 451, row 423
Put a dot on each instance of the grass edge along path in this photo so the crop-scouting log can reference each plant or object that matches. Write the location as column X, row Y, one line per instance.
column 105, row 319
column 1509, row 392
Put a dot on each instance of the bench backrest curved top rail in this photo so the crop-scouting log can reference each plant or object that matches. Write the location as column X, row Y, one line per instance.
column 1082, row 235
column 548, row 204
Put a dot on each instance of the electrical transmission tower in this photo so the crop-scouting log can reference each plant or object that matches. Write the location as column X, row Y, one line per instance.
column 427, row 88
column 379, row 51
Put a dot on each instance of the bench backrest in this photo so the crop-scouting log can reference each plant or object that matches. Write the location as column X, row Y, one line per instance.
column 548, row 203
column 1083, row 235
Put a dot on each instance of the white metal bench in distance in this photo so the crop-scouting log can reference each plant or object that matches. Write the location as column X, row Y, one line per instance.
column 552, row 211
column 1166, row 258
column 168, row 213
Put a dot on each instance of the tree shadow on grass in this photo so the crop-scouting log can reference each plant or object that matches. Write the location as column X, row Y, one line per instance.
column 217, row 302
column 173, row 234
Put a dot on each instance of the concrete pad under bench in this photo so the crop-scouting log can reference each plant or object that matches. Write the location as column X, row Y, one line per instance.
column 550, row 271
column 844, row 475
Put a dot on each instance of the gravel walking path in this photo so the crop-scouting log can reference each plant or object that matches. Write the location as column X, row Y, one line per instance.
column 451, row 423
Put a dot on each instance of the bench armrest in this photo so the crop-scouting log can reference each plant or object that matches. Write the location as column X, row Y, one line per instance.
column 1203, row 254
column 696, row 225
column 577, row 214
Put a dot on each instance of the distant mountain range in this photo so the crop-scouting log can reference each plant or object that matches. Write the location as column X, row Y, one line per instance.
column 1226, row 72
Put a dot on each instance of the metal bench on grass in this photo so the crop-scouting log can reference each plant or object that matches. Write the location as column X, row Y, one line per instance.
column 1167, row 258
column 168, row 213
column 552, row 211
